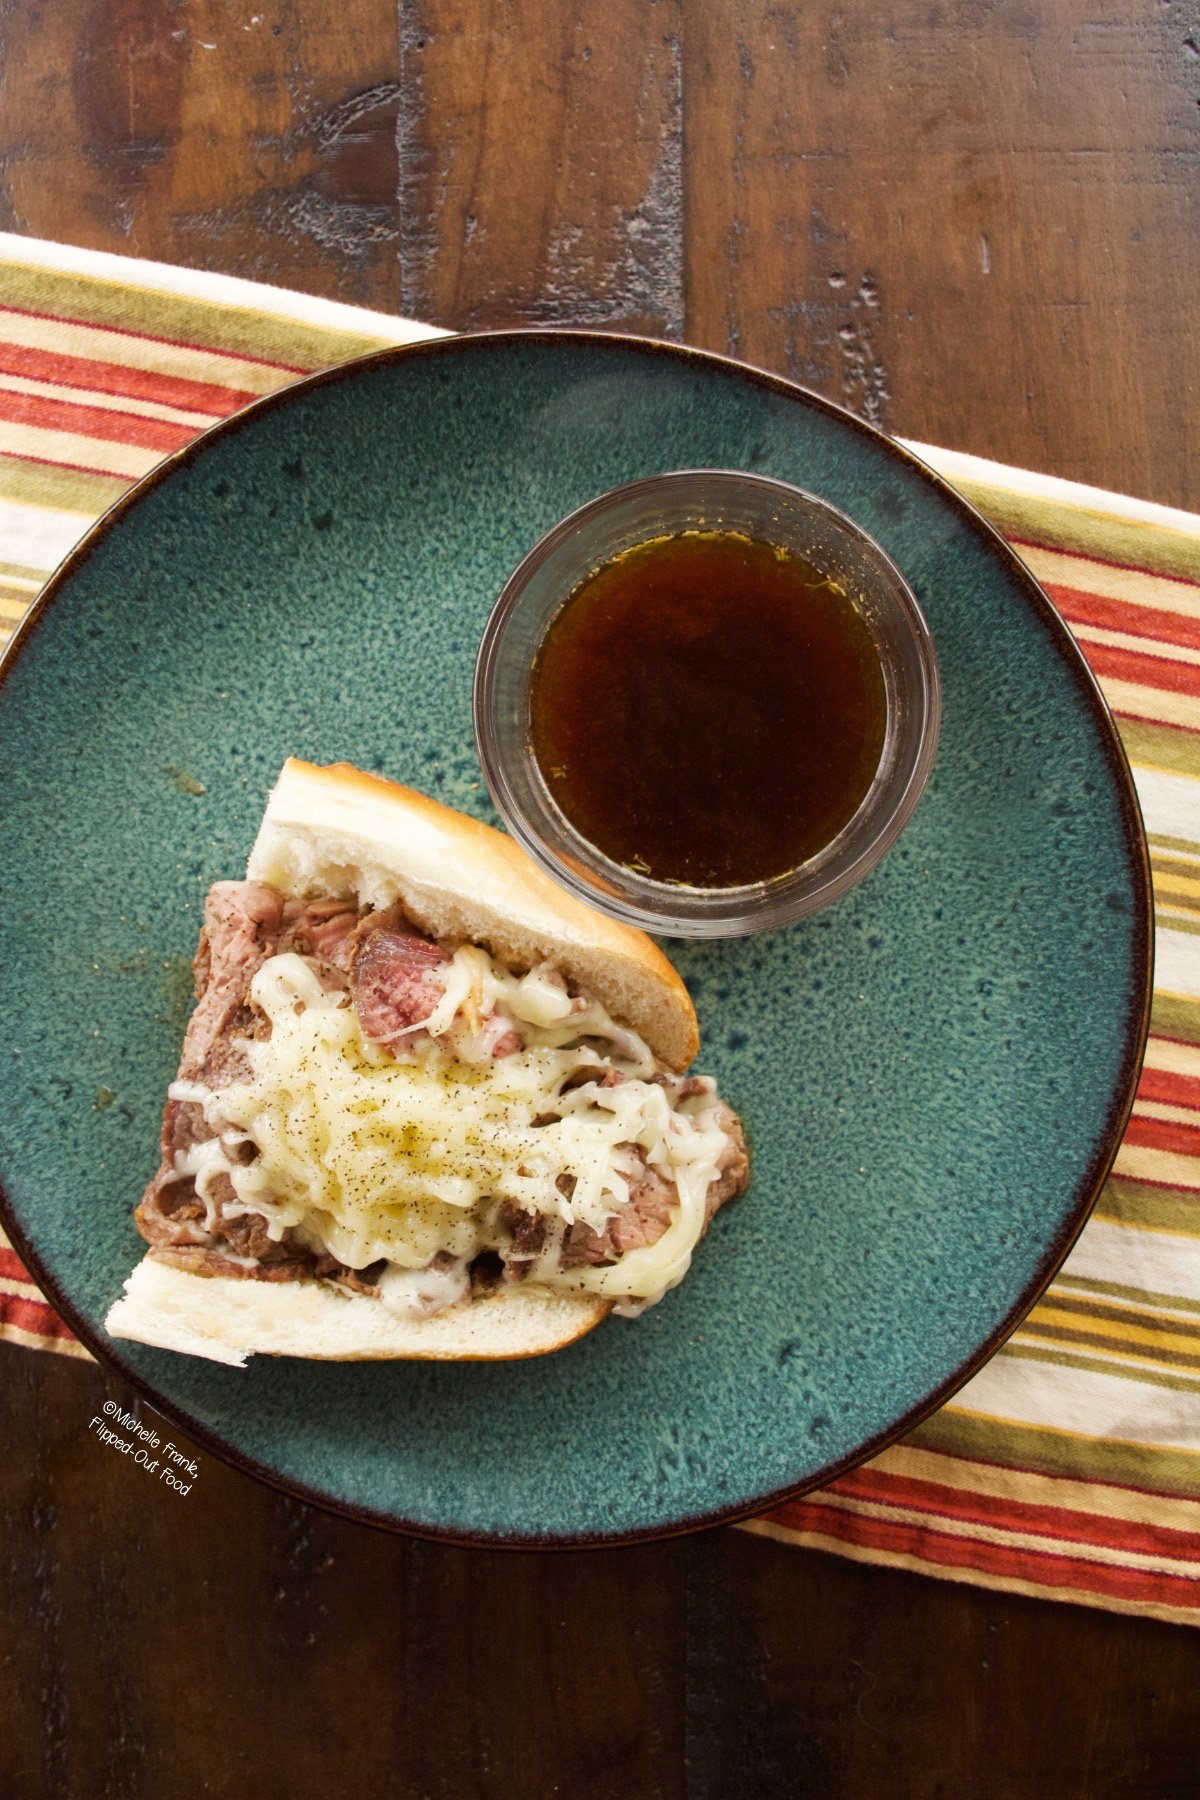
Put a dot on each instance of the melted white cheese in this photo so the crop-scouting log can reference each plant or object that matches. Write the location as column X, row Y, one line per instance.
column 370, row 1154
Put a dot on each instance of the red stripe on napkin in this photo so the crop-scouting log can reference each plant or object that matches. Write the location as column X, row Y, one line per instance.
column 94, row 421
column 121, row 380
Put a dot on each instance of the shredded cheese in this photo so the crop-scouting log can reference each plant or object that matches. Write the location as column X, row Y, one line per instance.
column 401, row 1154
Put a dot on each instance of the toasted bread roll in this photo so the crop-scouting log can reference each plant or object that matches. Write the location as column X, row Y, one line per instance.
column 336, row 830
column 309, row 996
column 228, row 1320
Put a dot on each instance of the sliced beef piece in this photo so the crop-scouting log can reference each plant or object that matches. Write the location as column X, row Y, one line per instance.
column 295, row 1268
column 487, row 1272
column 169, row 1209
column 642, row 1221
column 153, row 1215
column 183, row 1125
column 330, row 924
column 227, row 1062
column 246, row 1235
column 288, row 1262
column 199, row 1259
column 391, row 983
column 652, row 1201
column 651, row 1204
column 733, row 1170
column 320, row 928
column 603, row 1076
column 170, row 1201
column 196, row 1259
column 527, row 1242
column 684, row 1087
column 201, row 965
column 389, row 918
column 241, row 924
column 585, row 1248
column 357, row 1281
column 222, row 1190
column 180, row 1199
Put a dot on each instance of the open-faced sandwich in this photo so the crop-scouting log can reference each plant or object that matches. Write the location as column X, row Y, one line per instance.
column 428, row 1104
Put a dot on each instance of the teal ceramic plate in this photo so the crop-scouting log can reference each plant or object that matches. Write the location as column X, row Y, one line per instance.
column 935, row 1072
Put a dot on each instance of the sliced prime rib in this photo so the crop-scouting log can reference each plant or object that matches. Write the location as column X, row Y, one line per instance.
column 645, row 1217
column 391, row 981
column 389, row 969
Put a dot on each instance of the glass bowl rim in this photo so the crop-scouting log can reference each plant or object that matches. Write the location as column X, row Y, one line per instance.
column 750, row 908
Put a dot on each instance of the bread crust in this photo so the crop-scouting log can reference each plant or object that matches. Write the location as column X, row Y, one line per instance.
column 459, row 877
column 226, row 1320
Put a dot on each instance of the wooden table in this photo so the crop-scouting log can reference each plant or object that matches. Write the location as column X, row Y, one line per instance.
column 976, row 224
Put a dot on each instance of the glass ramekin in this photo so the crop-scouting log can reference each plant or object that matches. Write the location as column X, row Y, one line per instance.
column 712, row 500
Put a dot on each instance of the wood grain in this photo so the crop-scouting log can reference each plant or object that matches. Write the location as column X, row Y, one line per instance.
column 973, row 223
column 541, row 163
column 853, row 1681
column 976, row 225
column 232, row 1642
column 259, row 139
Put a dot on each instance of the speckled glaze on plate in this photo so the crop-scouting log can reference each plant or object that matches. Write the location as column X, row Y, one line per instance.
column 935, row 1072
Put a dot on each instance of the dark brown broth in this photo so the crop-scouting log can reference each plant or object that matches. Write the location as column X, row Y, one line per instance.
column 708, row 709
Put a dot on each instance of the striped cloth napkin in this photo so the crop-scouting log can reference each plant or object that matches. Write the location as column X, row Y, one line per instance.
column 1069, row 1467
